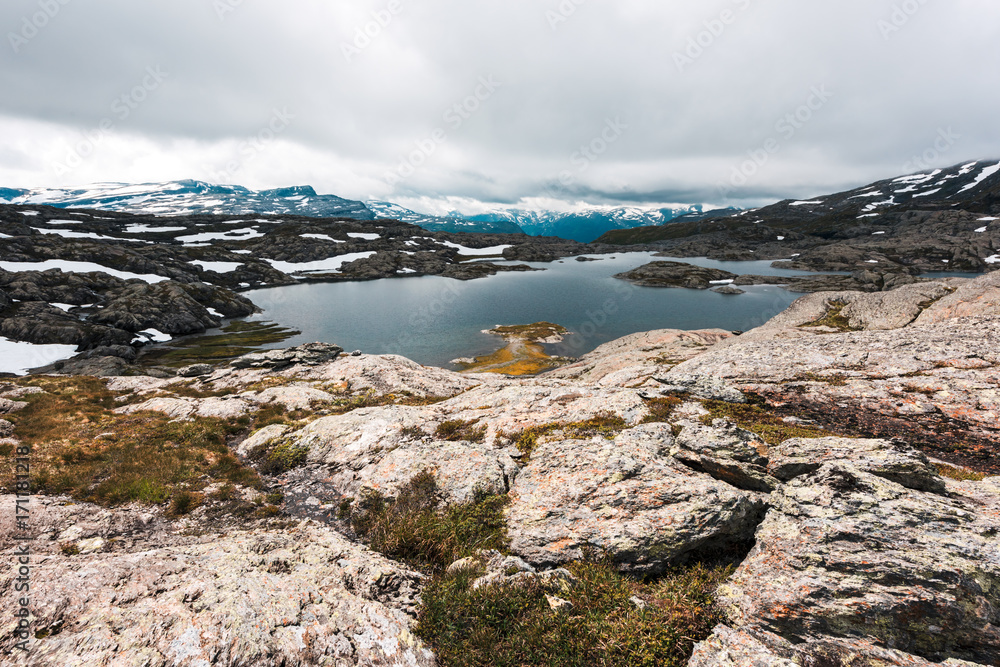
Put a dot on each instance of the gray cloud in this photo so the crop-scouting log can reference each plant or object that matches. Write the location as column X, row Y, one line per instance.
column 702, row 89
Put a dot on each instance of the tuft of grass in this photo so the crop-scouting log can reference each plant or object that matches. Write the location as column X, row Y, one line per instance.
column 278, row 459
column 754, row 418
column 833, row 318
column 661, row 408
column 457, row 429
column 414, row 528
column 184, row 502
column 513, row 626
column 69, row 549
column 959, row 474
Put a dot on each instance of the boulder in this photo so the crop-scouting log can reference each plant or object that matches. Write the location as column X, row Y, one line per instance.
column 625, row 498
column 893, row 460
column 310, row 354
column 305, row 595
column 847, row 554
column 171, row 307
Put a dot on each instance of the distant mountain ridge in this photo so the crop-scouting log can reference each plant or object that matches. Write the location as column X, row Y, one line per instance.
column 588, row 224
column 189, row 197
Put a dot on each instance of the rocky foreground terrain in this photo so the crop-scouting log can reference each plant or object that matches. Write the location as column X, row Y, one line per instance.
column 843, row 455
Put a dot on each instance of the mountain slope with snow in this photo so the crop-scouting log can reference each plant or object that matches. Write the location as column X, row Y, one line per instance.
column 192, row 198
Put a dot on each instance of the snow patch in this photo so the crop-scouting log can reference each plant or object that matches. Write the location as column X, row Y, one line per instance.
column 995, row 259
column 78, row 267
column 805, row 203
column 19, row 357
column 983, row 175
column 235, row 235
column 877, row 233
column 322, row 237
column 483, row 252
column 981, row 230
column 142, row 229
column 330, row 264
column 152, row 336
column 366, row 237
column 218, row 267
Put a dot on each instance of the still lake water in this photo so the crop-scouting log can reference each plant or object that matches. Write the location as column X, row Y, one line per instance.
column 433, row 320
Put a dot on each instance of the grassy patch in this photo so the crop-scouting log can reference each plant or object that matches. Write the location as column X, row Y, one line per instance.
column 834, row 379
column 501, row 626
column 771, row 428
column 959, row 474
column 81, row 448
column 415, row 529
column 458, row 429
column 533, row 332
column 833, row 318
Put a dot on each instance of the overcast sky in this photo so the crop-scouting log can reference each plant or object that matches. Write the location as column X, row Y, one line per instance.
column 444, row 103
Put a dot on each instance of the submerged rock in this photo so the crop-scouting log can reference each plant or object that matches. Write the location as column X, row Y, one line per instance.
column 675, row 274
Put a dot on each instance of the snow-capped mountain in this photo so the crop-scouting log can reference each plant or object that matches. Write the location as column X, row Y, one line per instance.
column 192, row 198
column 585, row 225
column 189, row 197
column 435, row 223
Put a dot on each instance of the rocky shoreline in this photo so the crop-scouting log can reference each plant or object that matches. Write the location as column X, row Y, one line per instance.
column 844, row 454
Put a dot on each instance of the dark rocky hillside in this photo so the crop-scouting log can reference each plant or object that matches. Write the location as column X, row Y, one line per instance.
column 942, row 220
